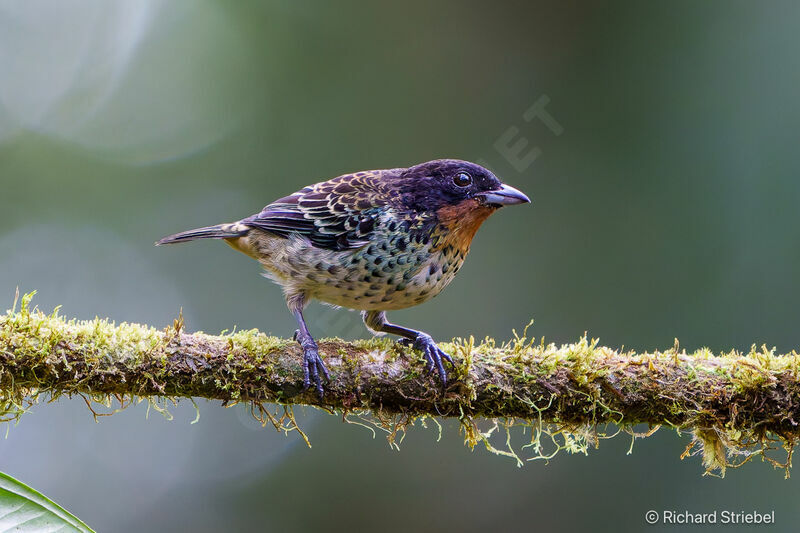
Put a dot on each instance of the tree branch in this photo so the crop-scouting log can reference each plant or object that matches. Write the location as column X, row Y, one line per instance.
column 736, row 405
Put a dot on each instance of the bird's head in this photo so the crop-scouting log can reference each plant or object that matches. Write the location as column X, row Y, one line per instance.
column 447, row 183
column 461, row 194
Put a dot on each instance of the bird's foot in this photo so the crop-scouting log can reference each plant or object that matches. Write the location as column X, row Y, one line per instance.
column 313, row 365
column 433, row 354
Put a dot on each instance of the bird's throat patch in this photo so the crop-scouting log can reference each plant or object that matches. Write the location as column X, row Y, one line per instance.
column 462, row 222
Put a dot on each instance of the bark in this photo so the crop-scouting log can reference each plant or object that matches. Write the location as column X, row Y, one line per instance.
column 731, row 402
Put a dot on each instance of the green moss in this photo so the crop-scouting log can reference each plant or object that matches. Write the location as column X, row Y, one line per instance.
column 553, row 398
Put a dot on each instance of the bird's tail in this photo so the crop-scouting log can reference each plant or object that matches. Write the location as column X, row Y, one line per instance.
column 220, row 231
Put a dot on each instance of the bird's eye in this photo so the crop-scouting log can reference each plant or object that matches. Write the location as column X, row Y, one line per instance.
column 462, row 179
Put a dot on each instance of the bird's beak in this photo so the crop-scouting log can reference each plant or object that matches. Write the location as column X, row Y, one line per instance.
column 505, row 195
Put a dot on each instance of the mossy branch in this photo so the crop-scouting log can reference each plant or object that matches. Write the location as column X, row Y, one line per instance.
column 736, row 405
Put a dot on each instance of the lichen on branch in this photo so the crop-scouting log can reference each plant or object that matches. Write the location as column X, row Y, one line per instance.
column 736, row 406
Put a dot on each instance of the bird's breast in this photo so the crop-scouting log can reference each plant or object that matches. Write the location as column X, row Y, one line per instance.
column 392, row 273
column 399, row 268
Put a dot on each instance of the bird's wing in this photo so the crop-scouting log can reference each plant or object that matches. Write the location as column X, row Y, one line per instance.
column 338, row 214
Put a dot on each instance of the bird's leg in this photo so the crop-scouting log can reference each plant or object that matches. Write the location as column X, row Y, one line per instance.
column 312, row 362
column 376, row 321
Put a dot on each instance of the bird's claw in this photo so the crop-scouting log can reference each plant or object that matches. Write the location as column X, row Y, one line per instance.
column 312, row 367
column 433, row 354
column 312, row 364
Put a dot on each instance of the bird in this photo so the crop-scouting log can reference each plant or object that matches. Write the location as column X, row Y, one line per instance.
column 372, row 241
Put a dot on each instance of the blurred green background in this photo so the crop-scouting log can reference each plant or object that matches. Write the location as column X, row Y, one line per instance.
column 666, row 207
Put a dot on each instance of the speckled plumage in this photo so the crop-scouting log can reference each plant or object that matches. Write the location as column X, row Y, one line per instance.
column 374, row 241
